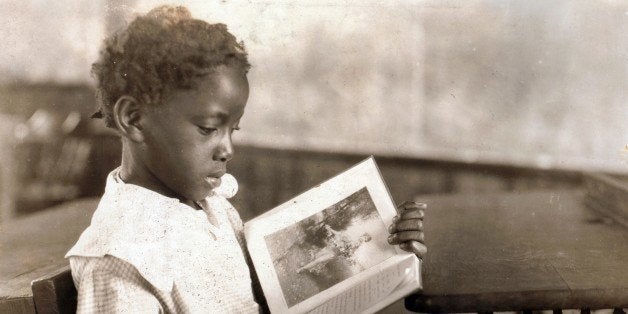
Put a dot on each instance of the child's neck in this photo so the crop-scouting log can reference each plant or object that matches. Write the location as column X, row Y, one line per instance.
column 134, row 172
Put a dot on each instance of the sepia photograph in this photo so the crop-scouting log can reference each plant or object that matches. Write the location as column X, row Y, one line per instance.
column 157, row 141
column 328, row 247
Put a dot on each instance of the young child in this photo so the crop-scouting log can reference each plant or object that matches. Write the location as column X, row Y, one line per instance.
column 164, row 238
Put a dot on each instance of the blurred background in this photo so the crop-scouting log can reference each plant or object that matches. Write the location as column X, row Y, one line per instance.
column 450, row 96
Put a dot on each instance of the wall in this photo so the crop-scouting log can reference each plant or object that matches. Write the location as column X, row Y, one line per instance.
column 534, row 84
column 49, row 41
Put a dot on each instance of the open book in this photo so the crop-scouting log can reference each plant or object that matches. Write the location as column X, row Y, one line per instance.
column 326, row 250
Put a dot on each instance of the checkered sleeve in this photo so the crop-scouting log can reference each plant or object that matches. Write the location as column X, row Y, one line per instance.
column 238, row 229
column 110, row 285
column 237, row 225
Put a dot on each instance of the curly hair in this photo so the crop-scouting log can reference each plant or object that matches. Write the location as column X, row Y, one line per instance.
column 164, row 50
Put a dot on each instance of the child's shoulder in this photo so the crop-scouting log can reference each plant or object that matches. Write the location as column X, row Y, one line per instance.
column 130, row 218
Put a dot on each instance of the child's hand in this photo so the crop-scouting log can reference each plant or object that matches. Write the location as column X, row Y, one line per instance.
column 407, row 228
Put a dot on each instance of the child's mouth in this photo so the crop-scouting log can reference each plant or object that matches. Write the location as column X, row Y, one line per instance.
column 213, row 181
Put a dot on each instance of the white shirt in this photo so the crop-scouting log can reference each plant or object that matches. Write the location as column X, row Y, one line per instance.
column 145, row 252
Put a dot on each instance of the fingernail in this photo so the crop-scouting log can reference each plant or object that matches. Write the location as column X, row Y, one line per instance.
column 390, row 229
column 395, row 219
column 390, row 238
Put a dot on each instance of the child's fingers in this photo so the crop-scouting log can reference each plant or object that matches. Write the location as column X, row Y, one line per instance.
column 404, row 236
column 407, row 205
column 414, row 247
column 406, row 225
column 412, row 214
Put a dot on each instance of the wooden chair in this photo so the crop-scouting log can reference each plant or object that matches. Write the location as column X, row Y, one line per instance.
column 55, row 293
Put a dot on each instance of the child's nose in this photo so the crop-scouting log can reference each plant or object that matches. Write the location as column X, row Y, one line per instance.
column 224, row 152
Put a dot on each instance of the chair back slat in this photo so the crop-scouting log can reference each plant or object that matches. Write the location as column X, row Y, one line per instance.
column 55, row 293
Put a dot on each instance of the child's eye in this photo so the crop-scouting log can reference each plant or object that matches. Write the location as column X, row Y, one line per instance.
column 206, row 131
column 237, row 128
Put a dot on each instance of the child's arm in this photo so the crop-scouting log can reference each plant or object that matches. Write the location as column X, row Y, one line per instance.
column 110, row 285
column 238, row 228
column 407, row 228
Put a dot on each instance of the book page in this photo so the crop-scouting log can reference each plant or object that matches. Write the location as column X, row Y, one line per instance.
column 374, row 293
column 328, row 247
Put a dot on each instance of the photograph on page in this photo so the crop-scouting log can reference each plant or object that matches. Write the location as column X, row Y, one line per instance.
column 328, row 241
column 328, row 247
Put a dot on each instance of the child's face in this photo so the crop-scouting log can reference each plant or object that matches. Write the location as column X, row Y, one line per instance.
column 187, row 139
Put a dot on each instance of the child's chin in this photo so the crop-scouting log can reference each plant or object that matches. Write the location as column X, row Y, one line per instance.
column 204, row 195
column 200, row 194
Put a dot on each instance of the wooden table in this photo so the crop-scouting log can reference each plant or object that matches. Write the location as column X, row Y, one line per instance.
column 500, row 252
column 520, row 251
column 33, row 246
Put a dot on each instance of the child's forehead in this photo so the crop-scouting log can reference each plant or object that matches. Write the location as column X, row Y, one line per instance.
column 227, row 79
column 220, row 95
column 221, row 79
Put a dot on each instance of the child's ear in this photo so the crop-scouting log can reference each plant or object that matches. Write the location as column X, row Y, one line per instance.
column 127, row 114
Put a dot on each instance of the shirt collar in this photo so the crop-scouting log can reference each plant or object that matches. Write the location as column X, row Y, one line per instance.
column 227, row 189
column 140, row 226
